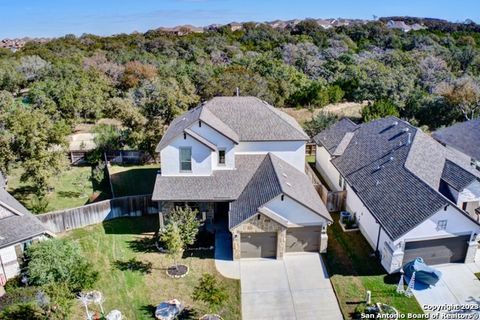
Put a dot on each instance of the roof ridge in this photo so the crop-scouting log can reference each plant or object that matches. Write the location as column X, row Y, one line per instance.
column 278, row 116
column 277, row 174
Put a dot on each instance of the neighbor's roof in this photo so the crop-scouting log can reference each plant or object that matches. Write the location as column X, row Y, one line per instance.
column 239, row 119
column 273, row 178
column 396, row 180
column 456, row 176
column 464, row 137
column 17, row 223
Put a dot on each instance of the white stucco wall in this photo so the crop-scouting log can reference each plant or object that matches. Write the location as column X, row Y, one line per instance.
column 9, row 262
column 220, row 141
column 294, row 212
column 471, row 195
column 326, row 168
column 201, row 157
column 457, row 224
column 292, row 152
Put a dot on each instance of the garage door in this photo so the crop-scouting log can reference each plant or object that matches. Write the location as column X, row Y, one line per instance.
column 258, row 245
column 437, row 251
column 303, row 239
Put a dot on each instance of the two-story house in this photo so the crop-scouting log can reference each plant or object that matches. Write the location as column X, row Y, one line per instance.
column 399, row 184
column 241, row 163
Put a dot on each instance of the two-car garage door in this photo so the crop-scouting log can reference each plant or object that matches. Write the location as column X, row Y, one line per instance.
column 437, row 251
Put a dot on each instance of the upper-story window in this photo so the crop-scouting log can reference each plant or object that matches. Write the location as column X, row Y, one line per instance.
column 221, row 156
column 186, row 159
column 441, row 225
column 474, row 163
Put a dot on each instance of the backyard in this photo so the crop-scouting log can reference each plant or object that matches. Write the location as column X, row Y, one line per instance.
column 136, row 286
column 71, row 188
column 354, row 270
column 74, row 186
column 133, row 180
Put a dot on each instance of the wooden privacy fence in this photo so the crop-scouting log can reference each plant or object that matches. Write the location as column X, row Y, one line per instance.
column 333, row 200
column 132, row 206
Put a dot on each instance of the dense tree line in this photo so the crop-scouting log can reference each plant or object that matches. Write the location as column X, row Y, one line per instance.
column 429, row 77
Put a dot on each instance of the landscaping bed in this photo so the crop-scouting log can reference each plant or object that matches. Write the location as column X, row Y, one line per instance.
column 354, row 270
column 133, row 275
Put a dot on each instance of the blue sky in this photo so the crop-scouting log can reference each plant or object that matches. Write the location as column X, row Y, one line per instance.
column 48, row 18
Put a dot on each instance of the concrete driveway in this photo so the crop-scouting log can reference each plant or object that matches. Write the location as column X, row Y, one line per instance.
column 295, row 288
column 458, row 286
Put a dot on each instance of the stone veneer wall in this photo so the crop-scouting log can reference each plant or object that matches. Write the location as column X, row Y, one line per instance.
column 264, row 224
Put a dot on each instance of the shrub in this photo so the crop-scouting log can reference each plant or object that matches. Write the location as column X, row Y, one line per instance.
column 18, row 311
column 320, row 122
column 209, row 291
column 55, row 261
column 98, row 173
column 379, row 109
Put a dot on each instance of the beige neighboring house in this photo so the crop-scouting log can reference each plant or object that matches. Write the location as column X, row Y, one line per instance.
column 18, row 229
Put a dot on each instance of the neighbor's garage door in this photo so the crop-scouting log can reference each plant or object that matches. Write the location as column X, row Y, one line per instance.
column 303, row 239
column 445, row 250
column 258, row 245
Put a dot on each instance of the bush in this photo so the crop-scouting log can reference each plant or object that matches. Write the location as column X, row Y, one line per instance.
column 379, row 109
column 209, row 291
column 55, row 261
column 335, row 94
column 19, row 311
column 322, row 121
column 38, row 204
column 98, row 173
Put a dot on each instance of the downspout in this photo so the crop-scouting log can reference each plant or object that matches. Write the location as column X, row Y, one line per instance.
column 378, row 239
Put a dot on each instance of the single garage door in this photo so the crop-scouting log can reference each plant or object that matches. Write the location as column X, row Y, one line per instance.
column 438, row 251
column 258, row 245
column 303, row 239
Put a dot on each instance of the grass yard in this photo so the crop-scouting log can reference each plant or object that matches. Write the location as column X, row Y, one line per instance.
column 72, row 188
column 136, row 291
column 353, row 271
column 133, row 180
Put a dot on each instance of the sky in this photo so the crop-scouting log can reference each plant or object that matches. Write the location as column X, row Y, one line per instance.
column 52, row 18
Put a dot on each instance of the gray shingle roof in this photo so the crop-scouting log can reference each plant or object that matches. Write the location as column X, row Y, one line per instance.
column 221, row 185
column 456, row 176
column 239, row 119
column 375, row 165
column 332, row 137
column 200, row 139
column 273, row 178
column 20, row 225
column 464, row 137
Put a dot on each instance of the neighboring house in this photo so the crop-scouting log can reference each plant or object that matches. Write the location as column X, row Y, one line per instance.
column 18, row 229
column 241, row 162
column 395, row 176
column 464, row 139
column 79, row 145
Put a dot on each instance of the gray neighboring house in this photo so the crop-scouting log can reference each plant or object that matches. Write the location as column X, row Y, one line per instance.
column 464, row 139
column 412, row 197
column 241, row 163
column 18, row 229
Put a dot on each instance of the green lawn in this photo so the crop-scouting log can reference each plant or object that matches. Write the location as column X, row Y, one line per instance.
column 71, row 188
column 136, row 292
column 310, row 159
column 354, row 270
column 133, row 180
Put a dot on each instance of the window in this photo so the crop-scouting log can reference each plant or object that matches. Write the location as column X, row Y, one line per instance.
column 340, row 180
column 185, row 159
column 441, row 224
column 464, row 206
column 221, row 156
column 474, row 163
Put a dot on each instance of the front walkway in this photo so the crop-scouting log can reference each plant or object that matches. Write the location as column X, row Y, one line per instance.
column 457, row 286
column 297, row 287
column 223, row 255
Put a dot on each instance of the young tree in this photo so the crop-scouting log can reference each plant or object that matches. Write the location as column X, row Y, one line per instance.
column 186, row 220
column 173, row 241
column 210, row 292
